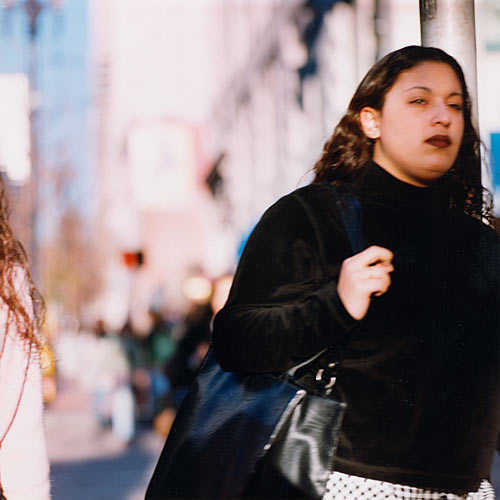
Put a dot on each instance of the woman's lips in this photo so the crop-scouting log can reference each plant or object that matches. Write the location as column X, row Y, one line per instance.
column 439, row 141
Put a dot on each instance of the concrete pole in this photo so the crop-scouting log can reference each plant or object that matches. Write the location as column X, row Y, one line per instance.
column 450, row 25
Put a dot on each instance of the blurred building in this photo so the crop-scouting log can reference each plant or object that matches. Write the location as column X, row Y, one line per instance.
column 158, row 66
column 271, row 119
column 488, row 67
column 15, row 146
column 15, row 127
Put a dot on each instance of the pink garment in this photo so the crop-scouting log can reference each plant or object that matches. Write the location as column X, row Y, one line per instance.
column 24, row 466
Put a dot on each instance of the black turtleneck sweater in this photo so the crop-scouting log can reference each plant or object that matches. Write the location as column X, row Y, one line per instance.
column 421, row 377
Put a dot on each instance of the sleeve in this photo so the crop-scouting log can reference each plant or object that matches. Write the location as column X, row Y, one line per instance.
column 24, row 466
column 283, row 306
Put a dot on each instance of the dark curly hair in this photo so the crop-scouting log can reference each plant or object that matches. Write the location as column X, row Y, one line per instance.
column 26, row 316
column 348, row 149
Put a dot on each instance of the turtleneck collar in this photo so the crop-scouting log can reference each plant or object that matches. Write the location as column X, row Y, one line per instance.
column 376, row 185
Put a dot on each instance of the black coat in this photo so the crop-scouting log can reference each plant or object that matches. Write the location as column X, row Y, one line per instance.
column 421, row 378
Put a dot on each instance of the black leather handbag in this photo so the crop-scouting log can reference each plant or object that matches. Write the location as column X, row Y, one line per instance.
column 262, row 435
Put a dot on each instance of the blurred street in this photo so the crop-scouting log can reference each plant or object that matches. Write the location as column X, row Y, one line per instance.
column 88, row 463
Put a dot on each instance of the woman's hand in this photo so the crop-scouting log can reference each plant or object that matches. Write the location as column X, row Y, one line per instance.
column 364, row 274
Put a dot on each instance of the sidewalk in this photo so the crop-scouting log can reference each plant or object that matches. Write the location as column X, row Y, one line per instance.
column 90, row 464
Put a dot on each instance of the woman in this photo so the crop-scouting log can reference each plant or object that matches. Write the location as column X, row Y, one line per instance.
column 421, row 375
column 24, row 468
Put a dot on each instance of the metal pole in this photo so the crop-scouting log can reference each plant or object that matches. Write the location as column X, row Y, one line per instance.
column 32, row 9
column 34, row 181
column 450, row 25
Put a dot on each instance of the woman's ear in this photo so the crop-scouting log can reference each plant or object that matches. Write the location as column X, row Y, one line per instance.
column 369, row 118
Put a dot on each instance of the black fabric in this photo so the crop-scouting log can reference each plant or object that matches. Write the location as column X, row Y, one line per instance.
column 230, row 426
column 421, row 379
column 208, row 453
column 301, row 457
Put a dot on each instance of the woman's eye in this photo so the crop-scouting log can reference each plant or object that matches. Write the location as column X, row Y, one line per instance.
column 456, row 106
column 417, row 101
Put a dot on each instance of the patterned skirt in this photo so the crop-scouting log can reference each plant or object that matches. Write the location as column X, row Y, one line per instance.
column 345, row 487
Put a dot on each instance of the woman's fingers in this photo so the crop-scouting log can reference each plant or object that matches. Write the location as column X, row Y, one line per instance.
column 363, row 275
column 374, row 279
column 371, row 256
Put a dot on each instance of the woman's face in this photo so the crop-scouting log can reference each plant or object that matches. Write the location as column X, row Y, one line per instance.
column 419, row 130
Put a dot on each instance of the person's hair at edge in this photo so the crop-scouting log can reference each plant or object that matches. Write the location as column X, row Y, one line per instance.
column 348, row 149
column 13, row 259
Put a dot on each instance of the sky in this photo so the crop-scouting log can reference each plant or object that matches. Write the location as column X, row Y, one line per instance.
column 63, row 80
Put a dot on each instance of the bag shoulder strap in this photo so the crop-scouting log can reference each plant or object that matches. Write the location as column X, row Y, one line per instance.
column 349, row 209
column 326, row 363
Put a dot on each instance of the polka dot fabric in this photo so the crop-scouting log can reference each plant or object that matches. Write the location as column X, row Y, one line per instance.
column 344, row 487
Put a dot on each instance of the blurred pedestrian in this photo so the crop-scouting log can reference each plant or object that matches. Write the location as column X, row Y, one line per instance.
column 191, row 349
column 421, row 375
column 138, row 356
column 161, row 347
column 108, row 378
column 24, row 466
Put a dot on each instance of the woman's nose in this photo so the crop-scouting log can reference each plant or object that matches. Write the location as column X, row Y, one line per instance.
column 441, row 114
